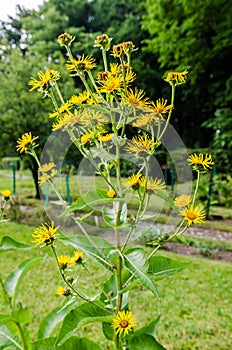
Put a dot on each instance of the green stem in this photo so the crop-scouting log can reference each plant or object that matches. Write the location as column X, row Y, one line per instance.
column 196, row 189
column 24, row 342
column 104, row 59
column 82, row 296
column 170, row 113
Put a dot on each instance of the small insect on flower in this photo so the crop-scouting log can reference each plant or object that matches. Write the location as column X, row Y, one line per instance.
column 25, row 142
column 123, row 322
column 45, row 234
column 194, row 215
column 201, row 161
column 63, row 291
column 182, row 201
column 6, row 194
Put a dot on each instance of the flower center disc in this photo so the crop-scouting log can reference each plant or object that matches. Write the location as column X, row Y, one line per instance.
column 124, row 323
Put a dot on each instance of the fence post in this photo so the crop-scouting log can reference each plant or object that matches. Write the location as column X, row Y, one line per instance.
column 210, row 190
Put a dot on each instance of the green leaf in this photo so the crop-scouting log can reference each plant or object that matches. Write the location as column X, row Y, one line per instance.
column 145, row 342
column 91, row 199
column 110, row 215
column 160, row 266
column 98, row 251
column 75, row 343
column 57, row 315
column 9, row 243
column 42, row 344
column 136, row 262
column 83, row 314
column 108, row 330
column 7, row 340
column 14, row 279
column 20, row 314
column 148, row 329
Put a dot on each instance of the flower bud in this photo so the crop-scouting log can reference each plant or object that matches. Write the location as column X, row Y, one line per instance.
column 65, row 39
column 103, row 41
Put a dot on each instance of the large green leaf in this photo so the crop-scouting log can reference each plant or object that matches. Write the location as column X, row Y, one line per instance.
column 57, row 315
column 14, row 279
column 149, row 328
column 98, row 250
column 83, row 314
column 110, row 215
column 160, row 266
column 8, row 341
column 136, row 262
column 75, row 343
column 91, row 199
column 9, row 243
column 44, row 344
column 144, row 342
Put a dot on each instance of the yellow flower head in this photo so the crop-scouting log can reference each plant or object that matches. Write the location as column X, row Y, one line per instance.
column 80, row 98
column 62, row 110
column 136, row 98
column 182, row 201
column 111, row 84
column 177, row 78
column 63, row 291
column 132, row 181
column 194, row 215
column 105, row 138
column 6, row 194
column 93, row 118
column 63, row 261
column 86, row 138
column 151, row 184
column 201, row 161
column 160, row 107
column 111, row 193
column 123, row 322
column 46, row 80
column 141, row 145
column 77, row 258
column 45, row 234
column 45, row 168
column 26, row 141
column 82, row 64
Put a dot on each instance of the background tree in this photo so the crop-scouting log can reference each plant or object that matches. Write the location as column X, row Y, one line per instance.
column 195, row 35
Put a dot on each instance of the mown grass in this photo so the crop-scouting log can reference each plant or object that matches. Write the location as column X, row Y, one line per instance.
column 195, row 305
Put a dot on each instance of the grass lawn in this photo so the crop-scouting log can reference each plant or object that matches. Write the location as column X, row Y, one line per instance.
column 195, row 304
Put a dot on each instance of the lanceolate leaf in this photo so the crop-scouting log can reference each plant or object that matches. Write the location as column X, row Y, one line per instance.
column 57, row 315
column 98, row 251
column 7, row 340
column 145, row 342
column 83, row 314
column 75, row 343
column 14, row 279
column 92, row 199
column 160, row 266
column 9, row 243
column 135, row 261
column 110, row 215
